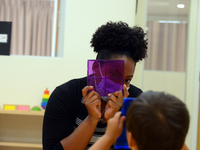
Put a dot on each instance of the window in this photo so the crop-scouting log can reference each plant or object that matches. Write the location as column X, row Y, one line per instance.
column 34, row 26
column 167, row 35
column 166, row 45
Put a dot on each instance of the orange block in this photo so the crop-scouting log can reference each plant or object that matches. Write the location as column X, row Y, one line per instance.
column 46, row 91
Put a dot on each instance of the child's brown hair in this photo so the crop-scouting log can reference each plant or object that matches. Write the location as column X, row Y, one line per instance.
column 158, row 121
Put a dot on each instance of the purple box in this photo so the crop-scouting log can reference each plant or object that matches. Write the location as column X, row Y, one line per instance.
column 106, row 76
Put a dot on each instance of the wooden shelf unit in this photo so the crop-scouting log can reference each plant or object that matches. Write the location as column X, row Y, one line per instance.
column 25, row 145
column 21, row 130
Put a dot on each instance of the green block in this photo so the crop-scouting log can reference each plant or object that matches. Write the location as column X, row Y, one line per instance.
column 36, row 109
column 45, row 100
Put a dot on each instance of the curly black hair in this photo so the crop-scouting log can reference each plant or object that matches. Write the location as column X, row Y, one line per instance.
column 117, row 38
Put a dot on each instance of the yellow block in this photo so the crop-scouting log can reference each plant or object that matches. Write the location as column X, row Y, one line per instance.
column 46, row 96
column 9, row 107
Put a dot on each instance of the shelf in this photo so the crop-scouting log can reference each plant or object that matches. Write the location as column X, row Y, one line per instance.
column 20, row 145
column 21, row 130
column 14, row 112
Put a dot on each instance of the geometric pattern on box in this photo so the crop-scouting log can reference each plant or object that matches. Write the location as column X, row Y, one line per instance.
column 45, row 98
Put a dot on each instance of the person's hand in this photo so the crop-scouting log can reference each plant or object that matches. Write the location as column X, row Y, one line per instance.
column 185, row 147
column 126, row 93
column 115, row 126
column 114, row 104
column 92, row 102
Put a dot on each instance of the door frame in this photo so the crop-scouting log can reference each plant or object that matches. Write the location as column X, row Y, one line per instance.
column 192, row 73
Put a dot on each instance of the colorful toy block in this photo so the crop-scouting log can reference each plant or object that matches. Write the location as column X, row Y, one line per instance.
column 23, row 107
column 9, row 107
column 45, row 98
column 36, row 108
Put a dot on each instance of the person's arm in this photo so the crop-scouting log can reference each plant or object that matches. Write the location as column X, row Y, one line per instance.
column 58, row 124
column 113, row 130
column 80, row 138
column 185, row 147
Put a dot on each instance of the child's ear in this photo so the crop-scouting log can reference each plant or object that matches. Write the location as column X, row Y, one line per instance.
column 131, row 141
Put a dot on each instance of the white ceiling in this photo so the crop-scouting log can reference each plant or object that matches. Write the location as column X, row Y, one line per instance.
column 168, row 8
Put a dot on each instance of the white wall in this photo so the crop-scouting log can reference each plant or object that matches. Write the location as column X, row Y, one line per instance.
column 24, row 79
column 170, row 82
column 140, row 20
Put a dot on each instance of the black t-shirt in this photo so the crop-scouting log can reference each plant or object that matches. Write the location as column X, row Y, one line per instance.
column 65, row 111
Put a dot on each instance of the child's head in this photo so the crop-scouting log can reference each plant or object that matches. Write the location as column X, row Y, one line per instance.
column 156, row 120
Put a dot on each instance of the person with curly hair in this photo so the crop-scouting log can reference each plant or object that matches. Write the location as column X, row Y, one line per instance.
column 154, row 121
column 72, row 115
